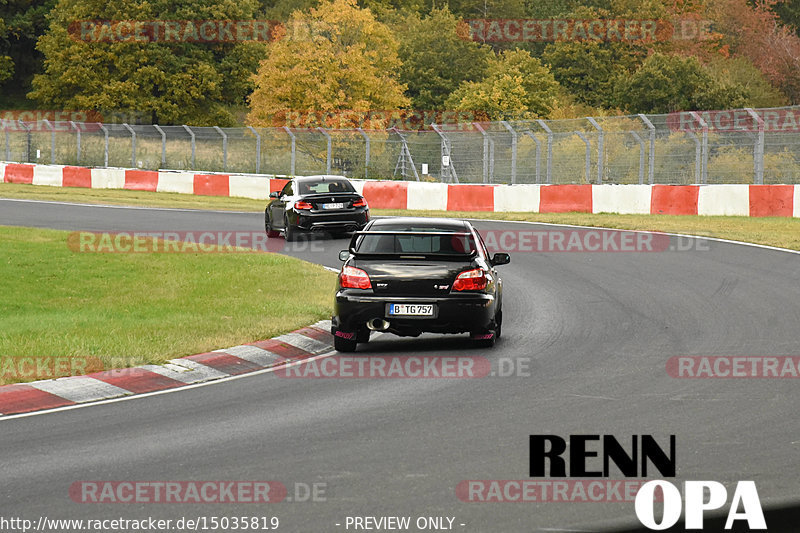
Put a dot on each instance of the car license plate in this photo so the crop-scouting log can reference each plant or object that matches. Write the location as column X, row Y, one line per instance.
column 337, row 205
column 411, row 309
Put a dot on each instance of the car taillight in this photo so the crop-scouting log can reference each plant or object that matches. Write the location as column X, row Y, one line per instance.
column 303, row 205
column 471, row 280
column 354, row 278
column 361, row 202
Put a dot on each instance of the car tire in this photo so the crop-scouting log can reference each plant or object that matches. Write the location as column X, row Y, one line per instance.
column 344, row 341
column 498, row 324
column 271, row 233
column 363, row 335
column 290, row 233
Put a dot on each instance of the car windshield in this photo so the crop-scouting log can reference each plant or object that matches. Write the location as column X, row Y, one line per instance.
column 416, row 243
column 325, row 187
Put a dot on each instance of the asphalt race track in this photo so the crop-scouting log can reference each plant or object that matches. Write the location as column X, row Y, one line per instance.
column 594, row 331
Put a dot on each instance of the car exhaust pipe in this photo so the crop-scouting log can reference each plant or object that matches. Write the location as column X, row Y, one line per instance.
column 378, row 324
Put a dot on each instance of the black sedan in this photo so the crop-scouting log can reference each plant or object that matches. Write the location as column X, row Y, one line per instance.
column 315, row 203
column 411, row 275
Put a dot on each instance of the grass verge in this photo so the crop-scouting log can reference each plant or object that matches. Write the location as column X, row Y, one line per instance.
column 138, row 308
column 771, row 231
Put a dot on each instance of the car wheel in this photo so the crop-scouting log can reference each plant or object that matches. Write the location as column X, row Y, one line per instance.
column 271, row 233
column 363, row 335
column 498, row 324
column 345, row 341
column 290, row 233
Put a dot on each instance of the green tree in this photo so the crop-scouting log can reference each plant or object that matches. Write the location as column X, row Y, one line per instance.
column 758, row 91
column 437, row 57
column 179, row 81
column 335, row 57
column 671, row 83
column 517, row 86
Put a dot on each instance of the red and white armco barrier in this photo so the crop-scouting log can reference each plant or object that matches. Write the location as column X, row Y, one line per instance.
column 738, row 200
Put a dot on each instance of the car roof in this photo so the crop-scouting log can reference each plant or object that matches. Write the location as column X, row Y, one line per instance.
column 320, row 177
column 444, row 224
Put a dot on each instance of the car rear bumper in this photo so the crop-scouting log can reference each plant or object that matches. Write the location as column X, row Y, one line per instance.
column 344, row 221
column 459, row 313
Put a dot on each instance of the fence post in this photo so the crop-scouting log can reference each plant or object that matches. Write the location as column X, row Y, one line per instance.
column 549, row 132
column 8, row 145
column 190, row 132
column 530, row 134
column 28, row 140
column 652, row 152
column 600, row 149
column 133, row 143
column 224, row 147
column 588, row 155
column 258, row 148
column 78, row 141
column 445, row 152
column 105, row 144
column 163, row 145
column 328, row 154
column 52, row 141
column 703, row 125
column 485, row 151
column 641, row 155
column 366, row 151
column 513, row 150
column 697, row 155
column 758, row 149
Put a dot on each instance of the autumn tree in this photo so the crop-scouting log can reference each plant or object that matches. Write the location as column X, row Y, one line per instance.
column 168, row 82
column 517, row 86
column 438, row 55
column 330, row 58
column 671, row 83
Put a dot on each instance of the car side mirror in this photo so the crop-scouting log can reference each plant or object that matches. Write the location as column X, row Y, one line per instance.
column 501, row 258
column 275, row 194
column 344, row 255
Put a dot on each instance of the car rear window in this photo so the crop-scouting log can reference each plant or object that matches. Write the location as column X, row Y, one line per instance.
column 326, row 187
column 399, row 243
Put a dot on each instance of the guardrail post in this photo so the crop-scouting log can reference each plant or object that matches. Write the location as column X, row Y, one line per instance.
column 530, row 134
column 328, row 154
column 294, row 147
column 549, row 132
column 513, row 150
column 703, row 125
column 133, row 143
column 588, row 154
column 641, row 155
column 258, row 148
column 190, row 132
column 600, row 149
column 163, row 145
column 52, row 141
column 652, row 151
column 224, row 147
column 105, row 144
column 78, row 141
column 758, row 149
column 366, row 151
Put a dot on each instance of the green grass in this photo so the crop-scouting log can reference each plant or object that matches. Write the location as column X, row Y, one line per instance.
column 131, row 309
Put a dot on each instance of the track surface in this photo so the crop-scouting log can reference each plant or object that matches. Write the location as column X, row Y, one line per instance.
column 595, row 328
